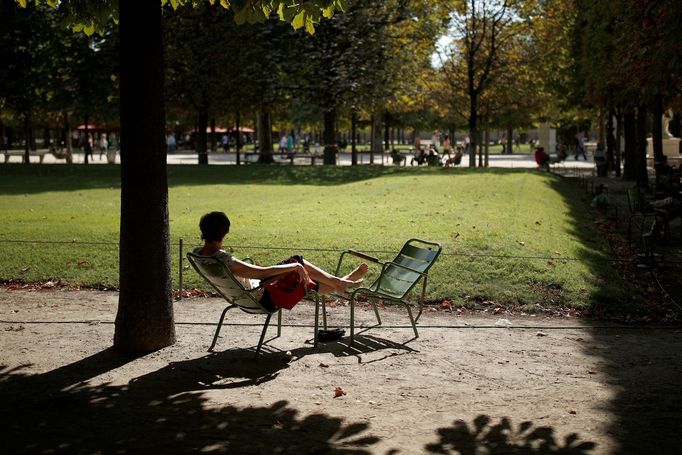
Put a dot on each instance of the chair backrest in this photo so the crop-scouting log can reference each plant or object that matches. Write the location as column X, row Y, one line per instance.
column 219, row 276
column 417, row 255
column 635, row 200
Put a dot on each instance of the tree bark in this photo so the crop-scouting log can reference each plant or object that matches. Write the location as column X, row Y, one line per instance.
column 265, row 137
column 630, row 168
column 144, row 321
column 642, row 176
column 87, row 147
column 67, row 138
column 27, row 141
column 376, row 146
column 202, row 136
column 353, row 138
column 329, row 137
column 473, row 131
column 610, row 140
column 510, row 141
column 387, row 133
column 214, row 144
column 619, row 134
column 657, row 129
column 238, row 142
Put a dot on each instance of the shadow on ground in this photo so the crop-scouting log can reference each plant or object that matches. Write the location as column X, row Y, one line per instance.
column 163, row 411
column 36, row 178
column 646, row 408
column 166, row 411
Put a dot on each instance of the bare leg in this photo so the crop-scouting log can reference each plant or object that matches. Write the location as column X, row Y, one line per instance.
column 330, row 283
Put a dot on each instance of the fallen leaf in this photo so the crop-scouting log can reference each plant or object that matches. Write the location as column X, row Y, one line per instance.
column 572, row 412
column 338, row 392
column 323, row 365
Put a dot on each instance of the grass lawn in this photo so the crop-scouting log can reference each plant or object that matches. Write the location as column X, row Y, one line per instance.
column 514, row 237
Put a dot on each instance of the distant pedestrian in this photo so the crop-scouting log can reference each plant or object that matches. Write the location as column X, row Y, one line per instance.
column 283, row 144
column 171, row 142
column 103, row 145
column 579, row 146
column 225, row 141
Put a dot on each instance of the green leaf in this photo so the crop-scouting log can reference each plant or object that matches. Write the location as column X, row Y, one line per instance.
column 89, row 29
column 22, row 3
column 328, row 12
column 310, row 26
column 298, row 21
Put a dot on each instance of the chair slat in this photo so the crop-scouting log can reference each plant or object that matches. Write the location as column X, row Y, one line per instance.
column 413, row 251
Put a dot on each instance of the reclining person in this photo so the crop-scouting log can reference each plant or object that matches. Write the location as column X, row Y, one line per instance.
column 215, row 225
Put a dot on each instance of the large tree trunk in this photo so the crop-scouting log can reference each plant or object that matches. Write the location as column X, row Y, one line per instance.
column 642, row 176
column 618, row 148
column 354, row 138
column 510, row 141
column 214, row 144
column 67, row 138
column 473, row 131
column 376, row 142
column 202, row 136
column 87, row 146
column 610, row 140
column 329, row 136
column 238, row 142
column 144, row 321
column 630, row 168
column 657, row 129
column 387, row 132
column 27, row 141
column 265, row 137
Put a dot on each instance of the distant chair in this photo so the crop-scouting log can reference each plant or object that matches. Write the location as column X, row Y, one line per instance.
column 640, row 210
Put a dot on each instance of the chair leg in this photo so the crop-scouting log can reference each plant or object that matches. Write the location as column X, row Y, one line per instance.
column 324, row 313
column 352, row 319
column 317, row 319
column 376, row 312
column 414, row 325
column 217, row 329
column 262, row 335
column 279, row 323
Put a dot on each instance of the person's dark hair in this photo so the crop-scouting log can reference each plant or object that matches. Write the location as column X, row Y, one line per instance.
column 214, row 226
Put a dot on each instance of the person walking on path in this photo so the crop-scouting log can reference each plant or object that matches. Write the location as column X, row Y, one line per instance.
column 579, row 146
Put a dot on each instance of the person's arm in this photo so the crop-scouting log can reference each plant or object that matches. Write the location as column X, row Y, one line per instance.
column 246, row 270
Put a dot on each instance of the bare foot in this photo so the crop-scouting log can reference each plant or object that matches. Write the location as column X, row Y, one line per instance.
column 357, row 274
column 344, row 285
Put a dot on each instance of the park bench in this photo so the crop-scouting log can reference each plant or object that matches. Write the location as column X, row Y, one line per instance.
column 20, row 153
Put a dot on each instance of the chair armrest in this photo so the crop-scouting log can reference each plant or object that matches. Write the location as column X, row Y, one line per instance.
column 363, row 256
column 354, row 253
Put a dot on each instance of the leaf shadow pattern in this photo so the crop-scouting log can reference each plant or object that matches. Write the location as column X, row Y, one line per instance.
column 163, row 411
column 502, row 438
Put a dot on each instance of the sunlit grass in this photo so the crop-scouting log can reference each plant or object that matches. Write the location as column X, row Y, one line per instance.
column 509, row 236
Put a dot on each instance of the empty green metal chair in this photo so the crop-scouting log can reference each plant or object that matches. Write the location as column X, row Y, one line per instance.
column 223, row 281
column 397, row 278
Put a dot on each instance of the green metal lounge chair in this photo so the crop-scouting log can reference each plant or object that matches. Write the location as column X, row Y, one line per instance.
column 398, row 277
column 219, row 276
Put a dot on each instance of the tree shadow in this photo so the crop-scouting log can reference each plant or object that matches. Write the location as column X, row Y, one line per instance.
column 639, row 364
column 484, row 436
column 163, row 411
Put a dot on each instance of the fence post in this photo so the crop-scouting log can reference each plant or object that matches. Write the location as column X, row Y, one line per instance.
column 180, row 270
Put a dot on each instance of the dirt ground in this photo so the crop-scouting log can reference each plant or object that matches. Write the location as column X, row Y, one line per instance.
column 467, row 385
